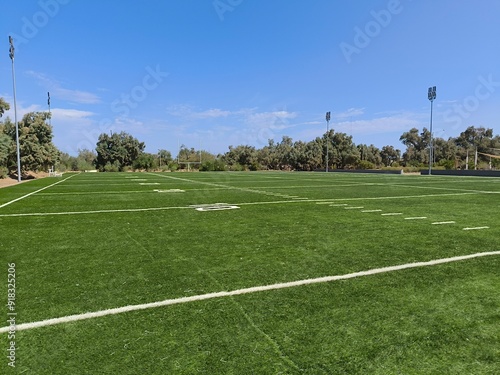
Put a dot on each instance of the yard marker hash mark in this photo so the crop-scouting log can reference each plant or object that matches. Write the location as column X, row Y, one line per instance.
column 202, row 297
column 476, row 228
column 443, row 222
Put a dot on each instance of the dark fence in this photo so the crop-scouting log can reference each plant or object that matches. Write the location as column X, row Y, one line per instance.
column 461, row 173
column 377, row 171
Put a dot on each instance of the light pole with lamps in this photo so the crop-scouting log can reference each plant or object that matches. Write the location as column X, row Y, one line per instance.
column 431, row 95
column 328, row 115
column 11, row 55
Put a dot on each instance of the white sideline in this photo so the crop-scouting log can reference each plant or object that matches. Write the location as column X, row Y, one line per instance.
column 201, row 297
column 34, row 192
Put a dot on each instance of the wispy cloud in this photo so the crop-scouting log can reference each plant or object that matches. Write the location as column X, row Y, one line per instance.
column 211, row 113
column 351, row 112
column 57, row 91
column 377, row 125
column 21, row 108
column 65, row 114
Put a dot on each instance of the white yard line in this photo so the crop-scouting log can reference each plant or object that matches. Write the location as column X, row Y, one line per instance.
column 443, row 222
column 318, row 201
column 447, row 189
column 202, row 297
column 34, row 192
column 95, row 211
column 476, row 228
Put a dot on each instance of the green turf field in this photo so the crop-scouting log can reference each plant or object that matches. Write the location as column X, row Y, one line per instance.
column 91, row 242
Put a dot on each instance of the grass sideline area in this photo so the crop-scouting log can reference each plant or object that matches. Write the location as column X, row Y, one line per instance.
column 91, row 242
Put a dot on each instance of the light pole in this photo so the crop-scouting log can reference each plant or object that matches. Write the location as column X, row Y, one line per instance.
column 327, row 124
column 11, row 55
column 48, row 103
column 431, row 95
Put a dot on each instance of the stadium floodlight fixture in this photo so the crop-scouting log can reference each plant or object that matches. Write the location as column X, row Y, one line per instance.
column 431, row 95
column 11, row 55
column 328, row 116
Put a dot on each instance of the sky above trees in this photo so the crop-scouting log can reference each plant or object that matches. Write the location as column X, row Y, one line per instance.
column 210, row 74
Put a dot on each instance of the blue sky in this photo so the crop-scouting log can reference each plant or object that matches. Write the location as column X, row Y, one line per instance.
column 214, row 73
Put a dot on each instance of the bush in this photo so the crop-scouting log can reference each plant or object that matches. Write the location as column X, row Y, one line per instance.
column 212, row 165
column 365, row 164
column 237, row 168
column 4, row 172
column 446, row 164
column 115, row 167
column 143, row 162
column 173, row 167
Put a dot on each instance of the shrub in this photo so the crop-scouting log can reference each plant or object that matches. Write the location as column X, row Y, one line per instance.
column 173, row 167
column 365, row 164
column 115, row 167
column 212, row 165
column 4, row 172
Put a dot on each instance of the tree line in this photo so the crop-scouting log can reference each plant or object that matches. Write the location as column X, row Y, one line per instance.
column 475, row 147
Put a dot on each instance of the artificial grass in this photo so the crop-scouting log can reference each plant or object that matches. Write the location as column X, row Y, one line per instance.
column 441, row 319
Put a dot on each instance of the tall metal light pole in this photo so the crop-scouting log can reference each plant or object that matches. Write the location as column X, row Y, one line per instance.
column 11, row 55
column 431, row 95
column 48, row 103
column 327, row 125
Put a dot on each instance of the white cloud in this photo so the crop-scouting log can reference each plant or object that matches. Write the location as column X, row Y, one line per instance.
column 351, row 112
column 65, row 114
column 21, row 109
column 379, row 125
column 211, row 113
column 59, row 92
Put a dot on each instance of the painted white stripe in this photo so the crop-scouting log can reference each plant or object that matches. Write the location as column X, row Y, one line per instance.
column 202, row 297
column 392, row 214
column 371, row 211
column 34, row 192
column 476, row 228
column 338, row 205
column 443, row 222
column 416, row 218
column 353, row 208
column 94, row 212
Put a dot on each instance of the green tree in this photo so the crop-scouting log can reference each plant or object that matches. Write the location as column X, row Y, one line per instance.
column 117, row 151
column 370, row 154
column 417, row 147
column 342, row 152
column 37, row 152
column 164, row 158
column 145, row 161
column 390, row 155
column 241, row 157
column 4, row 106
